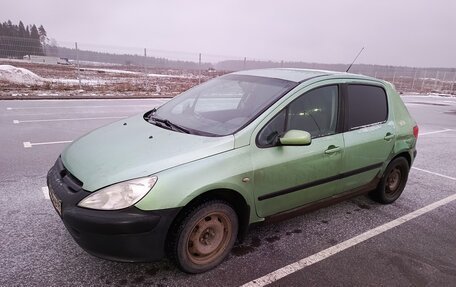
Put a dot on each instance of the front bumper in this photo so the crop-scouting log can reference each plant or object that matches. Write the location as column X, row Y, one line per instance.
column 130, row 234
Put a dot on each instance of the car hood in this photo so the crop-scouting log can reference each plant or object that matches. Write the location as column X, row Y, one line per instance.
column 134, row 148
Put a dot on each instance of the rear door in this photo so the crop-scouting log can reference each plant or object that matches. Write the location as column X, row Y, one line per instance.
column 369, row 133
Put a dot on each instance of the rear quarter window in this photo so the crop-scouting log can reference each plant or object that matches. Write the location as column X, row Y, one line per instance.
column 367, row 105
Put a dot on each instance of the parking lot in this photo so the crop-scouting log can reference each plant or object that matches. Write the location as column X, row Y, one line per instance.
column 354, row 243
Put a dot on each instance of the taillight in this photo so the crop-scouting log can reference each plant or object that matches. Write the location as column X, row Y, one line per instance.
column 415, row 131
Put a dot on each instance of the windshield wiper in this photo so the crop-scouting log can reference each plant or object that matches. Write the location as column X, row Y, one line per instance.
column 175, row 126
column 156, row 121
column 150, row 113
column 169, row 125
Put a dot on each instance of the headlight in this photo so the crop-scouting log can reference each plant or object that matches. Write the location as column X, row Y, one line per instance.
column 119, row 195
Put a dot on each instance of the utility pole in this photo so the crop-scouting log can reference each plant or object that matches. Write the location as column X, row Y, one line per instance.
column 199, row 68
column 435, row 82
column 454, row 80
column 245, row 63
column 77, row 62
column 414, row 76
column 145, row 58
column 145, row 69
column 443, row 81
column 424, row 80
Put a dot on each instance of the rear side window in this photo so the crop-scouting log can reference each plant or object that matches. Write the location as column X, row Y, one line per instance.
column 367, row 105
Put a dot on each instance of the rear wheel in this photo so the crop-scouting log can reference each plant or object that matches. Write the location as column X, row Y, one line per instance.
column 204, row 236
column 393, row 181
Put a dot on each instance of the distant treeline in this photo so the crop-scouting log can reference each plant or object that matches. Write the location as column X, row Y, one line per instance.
column 366, row 69
column 123, row 59
column 235, row 65
column 19, row 40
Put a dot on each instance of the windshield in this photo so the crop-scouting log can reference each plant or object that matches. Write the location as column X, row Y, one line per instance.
column 222, row 105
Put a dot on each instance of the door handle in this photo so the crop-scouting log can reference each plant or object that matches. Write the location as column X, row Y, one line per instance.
column 388, row 136
column 332, row 149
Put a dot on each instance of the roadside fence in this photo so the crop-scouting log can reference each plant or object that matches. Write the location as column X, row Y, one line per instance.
column 83, row 65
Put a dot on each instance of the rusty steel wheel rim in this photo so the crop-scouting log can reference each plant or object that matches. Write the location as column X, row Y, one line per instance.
column 209, row 238
column 393, row 180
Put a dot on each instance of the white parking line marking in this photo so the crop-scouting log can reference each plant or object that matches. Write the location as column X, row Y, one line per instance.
column 67, row 113
column 29, row 144
column 434, row 173
column 435, row 132
column 317, row 257
column 425, row 104
column 411, row 103
column 45, row 191
column 76, row 107
column 69, row 119
column 103, row 100
column 8, row 109
column 424, row 96
column 322, row 255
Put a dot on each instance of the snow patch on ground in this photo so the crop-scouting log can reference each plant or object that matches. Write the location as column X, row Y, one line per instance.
column 76, row 81
column 110, row 71
column 19, row 75
column 167, row 76
column 26, row 77
column 115, row 71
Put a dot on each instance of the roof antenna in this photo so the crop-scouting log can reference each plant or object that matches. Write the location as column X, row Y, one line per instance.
column 354, row 60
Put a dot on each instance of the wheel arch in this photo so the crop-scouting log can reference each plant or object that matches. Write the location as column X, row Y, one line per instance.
column 232, row 197
column 386, row 194
column 406, row 155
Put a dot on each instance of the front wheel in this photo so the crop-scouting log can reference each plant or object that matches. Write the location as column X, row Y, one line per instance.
column 204, row 236
column 393, row 181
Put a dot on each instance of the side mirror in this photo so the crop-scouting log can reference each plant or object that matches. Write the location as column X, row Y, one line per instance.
column 295, row 137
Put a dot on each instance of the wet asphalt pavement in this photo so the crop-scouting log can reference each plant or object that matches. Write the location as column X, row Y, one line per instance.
column 36, row 249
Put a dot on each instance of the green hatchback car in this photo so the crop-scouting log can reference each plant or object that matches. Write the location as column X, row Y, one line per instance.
column 188, row 178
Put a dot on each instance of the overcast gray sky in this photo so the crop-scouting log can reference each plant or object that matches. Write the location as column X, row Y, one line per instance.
column 393, row 32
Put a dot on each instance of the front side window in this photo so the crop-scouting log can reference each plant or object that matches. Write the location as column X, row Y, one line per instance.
column 315, row 112
column 367, row 105
column 223, row 105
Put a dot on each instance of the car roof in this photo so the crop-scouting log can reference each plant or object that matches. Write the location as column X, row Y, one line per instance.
column 295, row 75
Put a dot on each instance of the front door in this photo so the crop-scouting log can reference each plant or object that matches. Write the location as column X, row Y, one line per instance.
column 286, row 177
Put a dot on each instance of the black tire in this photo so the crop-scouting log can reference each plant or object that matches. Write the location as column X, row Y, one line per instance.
column 203, row 236
column 393, row 181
